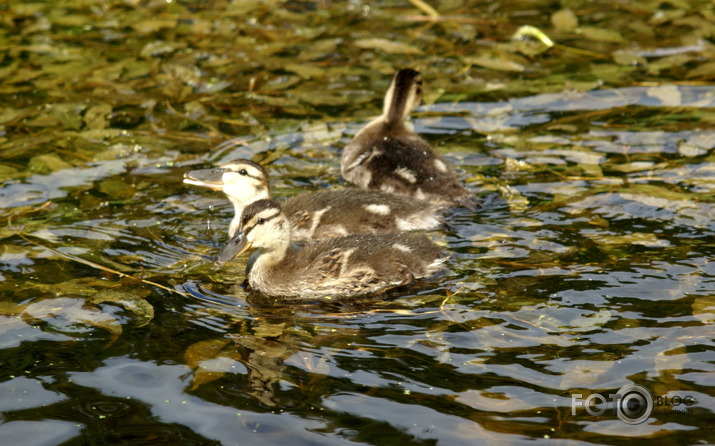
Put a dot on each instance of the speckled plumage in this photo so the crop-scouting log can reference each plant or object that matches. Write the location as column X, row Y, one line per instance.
column 387, row 155
column 336, row 267
column 326, row 213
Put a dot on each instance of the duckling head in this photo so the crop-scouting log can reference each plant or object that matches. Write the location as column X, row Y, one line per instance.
column 403, row 96
column 245, row 181
column 242, row 181
column 264, row 226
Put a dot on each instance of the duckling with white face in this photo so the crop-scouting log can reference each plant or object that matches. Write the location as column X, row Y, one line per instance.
column 242, row 181
column 335, row 267
column 387, row 154
column 323, row 214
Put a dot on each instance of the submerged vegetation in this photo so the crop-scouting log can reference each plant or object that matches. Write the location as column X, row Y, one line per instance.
column 585, row 128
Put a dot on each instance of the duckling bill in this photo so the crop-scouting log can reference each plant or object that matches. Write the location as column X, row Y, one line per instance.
column 210, row 178
column 323, row 214
column 337, row 267
column 387, row 154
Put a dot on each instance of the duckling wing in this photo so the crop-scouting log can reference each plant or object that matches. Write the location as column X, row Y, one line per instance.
column 325, row 268
column 331, row 264
column 301, row 222
column 365, row 264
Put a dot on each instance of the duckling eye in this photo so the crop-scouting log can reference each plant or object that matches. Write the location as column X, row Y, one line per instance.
column 243, row 172
column 261, row 221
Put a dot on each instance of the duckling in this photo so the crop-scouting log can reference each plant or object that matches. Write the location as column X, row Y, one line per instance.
column 328, row 213
column 335, row 267
column 387, row 154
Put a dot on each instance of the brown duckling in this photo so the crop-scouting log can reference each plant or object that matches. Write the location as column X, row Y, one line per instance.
column 328, row 213
column 335, row 267
column 387, row 154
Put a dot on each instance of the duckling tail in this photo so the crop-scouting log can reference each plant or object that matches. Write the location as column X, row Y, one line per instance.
column 470, row 202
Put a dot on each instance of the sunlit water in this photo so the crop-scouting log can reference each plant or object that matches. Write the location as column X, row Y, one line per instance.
column 589, row 268
column 567, row 282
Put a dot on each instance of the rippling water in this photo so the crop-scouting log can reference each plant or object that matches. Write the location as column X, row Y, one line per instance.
column 588, row 269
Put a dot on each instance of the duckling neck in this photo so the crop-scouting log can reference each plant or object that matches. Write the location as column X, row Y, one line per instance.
column 238, row 207
column 266, row 262
column 399, row 102
column 396, row 110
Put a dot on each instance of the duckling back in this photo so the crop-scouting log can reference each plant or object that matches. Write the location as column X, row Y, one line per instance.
column 387, row 155
column 406, row 165
column 347, row 266
column 335, row 213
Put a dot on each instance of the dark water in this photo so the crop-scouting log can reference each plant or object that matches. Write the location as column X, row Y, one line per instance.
column 588, row 269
